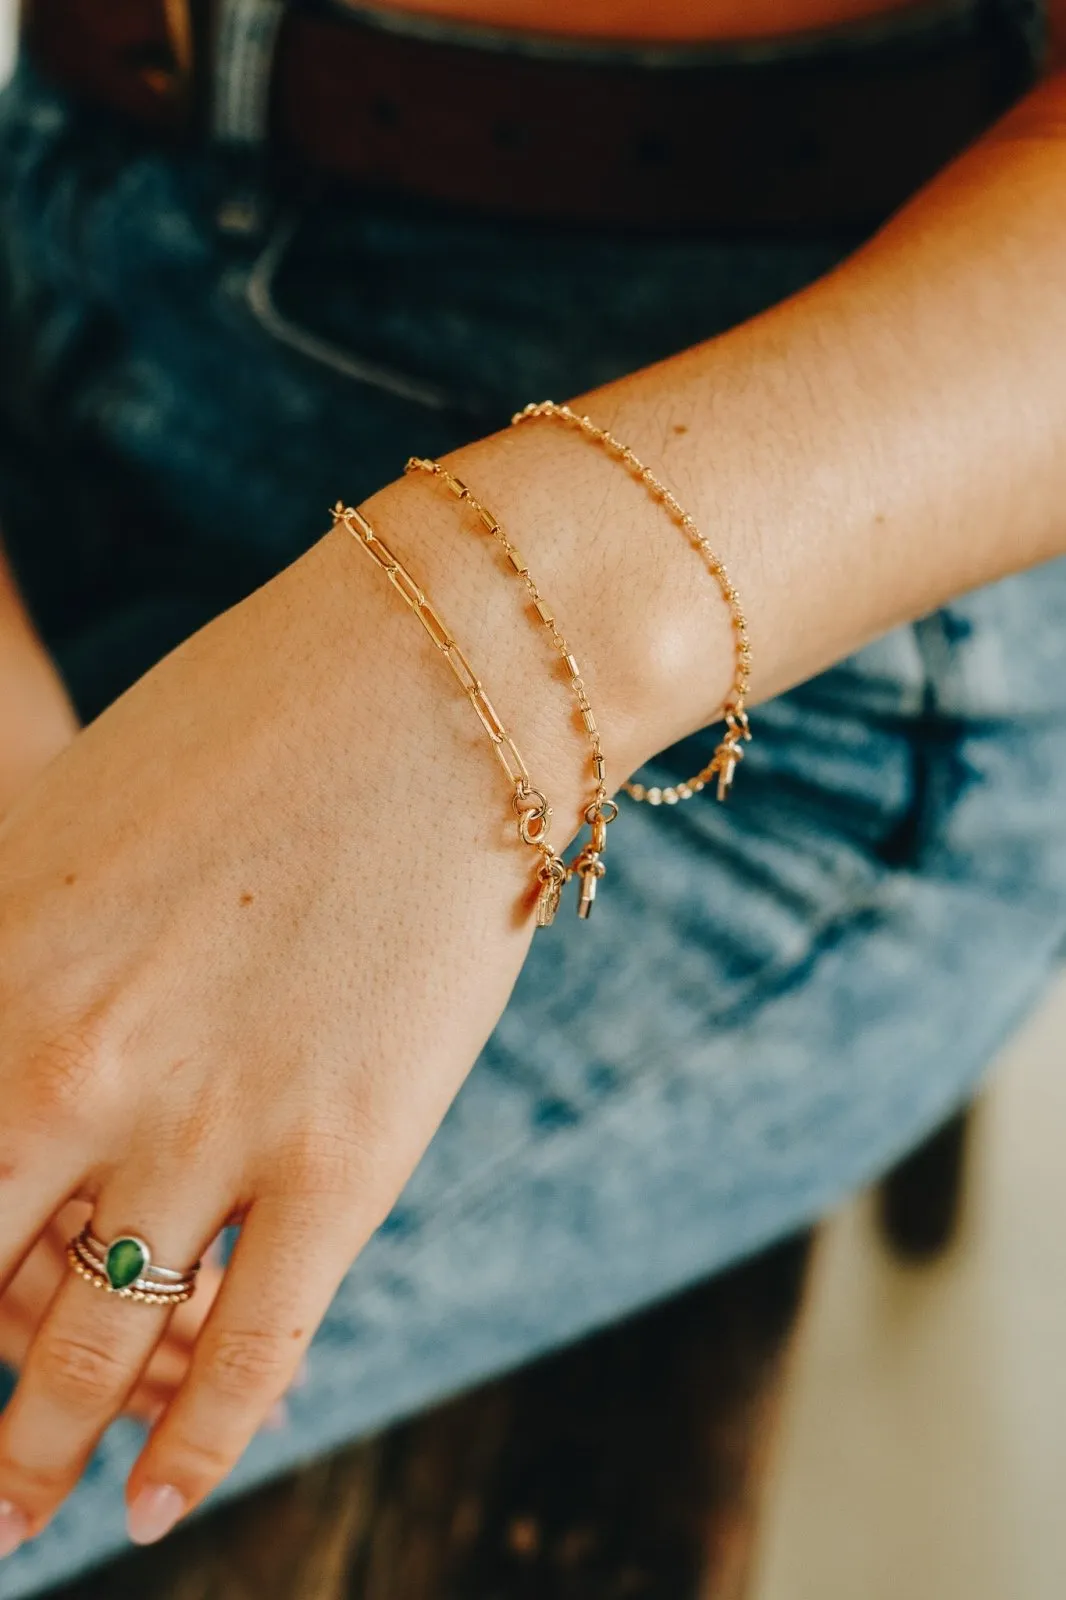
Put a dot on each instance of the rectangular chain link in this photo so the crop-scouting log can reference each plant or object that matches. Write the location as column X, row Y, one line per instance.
column 532, row 811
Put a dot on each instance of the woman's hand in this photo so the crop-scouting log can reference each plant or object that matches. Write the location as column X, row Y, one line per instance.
column 255, row 925
column 258, row 921
column 37, row 721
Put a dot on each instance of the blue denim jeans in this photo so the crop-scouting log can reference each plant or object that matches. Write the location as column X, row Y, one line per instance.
column 778, row 997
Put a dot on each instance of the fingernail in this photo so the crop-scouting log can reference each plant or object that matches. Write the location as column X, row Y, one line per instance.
column 154, row 1512
column 301, row 1375
column 276, row 1418
column 14, row 1529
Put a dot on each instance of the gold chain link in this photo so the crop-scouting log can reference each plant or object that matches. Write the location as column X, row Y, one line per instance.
column 601, row 810
column 730, row 750
column 532, row 811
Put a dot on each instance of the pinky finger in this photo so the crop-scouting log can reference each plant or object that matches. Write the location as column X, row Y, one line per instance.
column 247, row 1356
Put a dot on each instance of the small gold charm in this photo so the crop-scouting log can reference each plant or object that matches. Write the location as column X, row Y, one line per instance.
column 590, row 869
column 727, row 756
column 725, row 775
column 548, row 903
column 552, row 875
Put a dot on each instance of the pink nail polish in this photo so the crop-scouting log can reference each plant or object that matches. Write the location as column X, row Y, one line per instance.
column 14, row 1528
column 154, row 1512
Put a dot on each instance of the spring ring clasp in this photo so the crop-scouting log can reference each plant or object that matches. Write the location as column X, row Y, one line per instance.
column 533, row 812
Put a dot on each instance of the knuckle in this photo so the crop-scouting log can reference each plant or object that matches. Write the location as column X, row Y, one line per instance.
column 81, row 1375
column 39, row 1483
column 69, row 1071
column 194, row 1137
column 195, row 1459
column 322, row 1162
column 247, row 1363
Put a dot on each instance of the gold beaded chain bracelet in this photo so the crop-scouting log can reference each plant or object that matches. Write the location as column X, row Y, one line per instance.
column 601, row 810
column 531, row 809
column 728, row 753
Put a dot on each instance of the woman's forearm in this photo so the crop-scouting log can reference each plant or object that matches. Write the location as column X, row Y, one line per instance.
column 891, row 437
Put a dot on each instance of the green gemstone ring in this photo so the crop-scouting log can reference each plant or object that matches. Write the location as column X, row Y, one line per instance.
column 125, row 1267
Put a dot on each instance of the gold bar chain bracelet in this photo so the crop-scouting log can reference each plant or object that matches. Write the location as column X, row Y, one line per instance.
column 723, row 764
column 588, row 864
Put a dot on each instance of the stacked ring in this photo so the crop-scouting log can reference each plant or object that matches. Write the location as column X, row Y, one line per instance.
column 124, row 1267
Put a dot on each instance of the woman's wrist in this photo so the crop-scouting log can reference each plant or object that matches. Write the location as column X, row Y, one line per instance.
column 642, row 614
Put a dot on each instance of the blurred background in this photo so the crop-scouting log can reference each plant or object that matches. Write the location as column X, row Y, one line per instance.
column 925, row 1433
column 925, row 1444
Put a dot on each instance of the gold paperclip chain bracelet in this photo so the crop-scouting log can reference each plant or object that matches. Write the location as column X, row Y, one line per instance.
column 531, row 809
column 601, row 810
column 729, row 751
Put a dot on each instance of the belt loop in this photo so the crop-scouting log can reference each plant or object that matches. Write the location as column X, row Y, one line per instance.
column 245, row 42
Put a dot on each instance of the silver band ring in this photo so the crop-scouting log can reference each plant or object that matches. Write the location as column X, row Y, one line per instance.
column 125, row 1267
